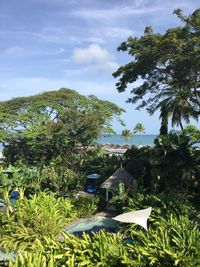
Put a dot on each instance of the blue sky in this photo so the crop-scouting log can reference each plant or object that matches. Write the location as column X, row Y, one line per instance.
column 49, row 44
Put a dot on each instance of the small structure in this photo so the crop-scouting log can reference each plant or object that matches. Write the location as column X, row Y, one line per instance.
column 92, row 183
column 138, row 216
column 120, row 176
column 114, row 149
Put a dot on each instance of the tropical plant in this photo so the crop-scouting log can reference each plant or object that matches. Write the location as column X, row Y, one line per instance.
column 174, row 162
column 86, row 206
column 174, row 242
column 163, row 205
column 100, row 162
column 53, row 124
column 60, row 179
column 101, row 250
column 139, row 128
column 137, row 163
column 33, row 220
column 172, row 165
column 180, row 105
column 168, row 68
column 127, row 135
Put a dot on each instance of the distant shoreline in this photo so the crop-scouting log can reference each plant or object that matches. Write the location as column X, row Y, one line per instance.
column 116, row 139
column 138, row 140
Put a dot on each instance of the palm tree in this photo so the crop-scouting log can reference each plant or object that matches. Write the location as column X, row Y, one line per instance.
column 139, row 128
column 164, row 116
column 181, row 104
column 127, row 135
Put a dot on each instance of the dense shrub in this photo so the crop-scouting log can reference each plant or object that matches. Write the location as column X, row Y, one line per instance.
column 174, row 242
column 33, row 220
column 86, row 206
column 100, row 249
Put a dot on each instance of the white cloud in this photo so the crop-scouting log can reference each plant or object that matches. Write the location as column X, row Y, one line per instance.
column 15, row 51
column 92, row 54
column 95, row 58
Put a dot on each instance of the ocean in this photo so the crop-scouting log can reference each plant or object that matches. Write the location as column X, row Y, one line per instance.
column 116, row 139
column 138, row 140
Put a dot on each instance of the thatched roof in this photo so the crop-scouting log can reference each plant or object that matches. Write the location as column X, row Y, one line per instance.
column 120, row 176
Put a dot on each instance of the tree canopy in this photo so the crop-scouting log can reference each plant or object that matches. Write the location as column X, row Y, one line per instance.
column 139, row 128
column 127, row 134
column 167, row 67
column 54, row 122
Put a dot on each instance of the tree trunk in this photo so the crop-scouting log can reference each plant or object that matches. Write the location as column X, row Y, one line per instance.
column 181, row 125
column 164, row 114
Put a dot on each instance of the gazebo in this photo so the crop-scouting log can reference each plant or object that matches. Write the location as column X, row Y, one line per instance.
column 120, row 176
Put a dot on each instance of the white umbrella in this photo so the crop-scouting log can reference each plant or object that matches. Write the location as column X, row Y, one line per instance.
column 138, row 216
column 93, row 176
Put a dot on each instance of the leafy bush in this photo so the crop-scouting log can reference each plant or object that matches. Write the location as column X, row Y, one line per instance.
column 33, row 220
column 55, row 178
column 172, row 239
column 98, row 161
column 60, row 179
column 86, row 206
column 100, row 249
column 163, row 205
column 174, row 242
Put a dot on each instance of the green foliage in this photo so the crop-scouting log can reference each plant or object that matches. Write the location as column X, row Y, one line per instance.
column 52, row 125
column 136, row 162
column 172, row 165
column 172, row 239
column 55, row 177
column 98, row 161
column 175, row 242
column 60, row 180
column 139, row 128
column 21, row 178
column 126, row 134
column 175, row 161
column 101, row 250
column 163, row 205
column 168, row 65
column 33, row 220
column 86, row 206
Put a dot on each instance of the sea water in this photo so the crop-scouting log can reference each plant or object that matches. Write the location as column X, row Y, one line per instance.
column 138, row 140
column 116, row 139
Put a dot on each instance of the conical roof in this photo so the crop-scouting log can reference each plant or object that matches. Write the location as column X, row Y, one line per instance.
column 120, row 176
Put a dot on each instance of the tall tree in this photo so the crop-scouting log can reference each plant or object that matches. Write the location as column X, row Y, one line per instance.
column 139, row 128
column 169, row 67
column 126, row 134
column 53, row 124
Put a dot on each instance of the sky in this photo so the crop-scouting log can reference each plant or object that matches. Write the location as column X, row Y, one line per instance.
column 49, row 44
